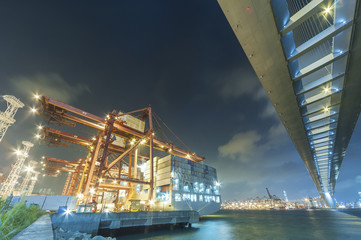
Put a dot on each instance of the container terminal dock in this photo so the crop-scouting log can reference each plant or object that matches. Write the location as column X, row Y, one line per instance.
column 116, row 185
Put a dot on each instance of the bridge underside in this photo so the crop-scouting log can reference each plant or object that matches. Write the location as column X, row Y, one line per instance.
column 307, row 56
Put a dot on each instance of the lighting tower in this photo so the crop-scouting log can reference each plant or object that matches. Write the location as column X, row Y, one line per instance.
column 12, row 179
column 7, row 117
column 29, row 170
column 32, row 183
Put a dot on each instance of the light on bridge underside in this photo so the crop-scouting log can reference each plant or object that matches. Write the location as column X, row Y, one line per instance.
column 327, row 10
column 326, row 90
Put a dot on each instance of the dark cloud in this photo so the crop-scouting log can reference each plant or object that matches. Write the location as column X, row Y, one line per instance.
column 255, row 160
column 238, row 82
column 50, row 84
column 358, row 179
column 241, row 146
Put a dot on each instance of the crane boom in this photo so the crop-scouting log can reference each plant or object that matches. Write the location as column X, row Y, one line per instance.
column 269, row 194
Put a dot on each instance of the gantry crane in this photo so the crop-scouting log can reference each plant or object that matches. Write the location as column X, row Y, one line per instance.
column 7, row 117
column 16, row 169
column 29, row 172
column 112, row 163
column 269, row 194
column 33, row 180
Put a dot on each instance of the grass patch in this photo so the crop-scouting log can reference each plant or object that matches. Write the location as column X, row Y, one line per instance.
column 17, row 218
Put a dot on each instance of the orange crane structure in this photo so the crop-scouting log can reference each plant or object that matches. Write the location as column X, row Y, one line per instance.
column 122, row 144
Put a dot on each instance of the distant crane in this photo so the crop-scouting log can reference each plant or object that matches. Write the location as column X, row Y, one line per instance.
column 29, row 170
column 269, row 194
column 11, row 181
column 7, row 117
column 32, row 183
column 274, row 197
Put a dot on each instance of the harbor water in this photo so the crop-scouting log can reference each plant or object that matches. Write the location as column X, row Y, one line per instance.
column 267, row 224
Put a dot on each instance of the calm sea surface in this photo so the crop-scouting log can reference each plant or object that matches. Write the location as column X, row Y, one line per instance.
column 272, row 224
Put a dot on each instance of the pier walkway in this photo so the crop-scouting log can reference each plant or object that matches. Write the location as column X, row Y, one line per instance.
column 41, row 229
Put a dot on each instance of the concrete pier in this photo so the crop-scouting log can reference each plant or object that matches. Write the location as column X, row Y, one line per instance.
column 41, row 229
column 93, row 222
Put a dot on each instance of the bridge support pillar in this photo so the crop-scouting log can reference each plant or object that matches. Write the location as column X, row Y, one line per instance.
column 328, row 200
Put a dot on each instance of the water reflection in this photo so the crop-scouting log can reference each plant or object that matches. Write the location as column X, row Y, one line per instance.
column 268, row 225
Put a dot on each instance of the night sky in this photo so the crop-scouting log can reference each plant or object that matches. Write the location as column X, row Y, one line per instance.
column 181, row 57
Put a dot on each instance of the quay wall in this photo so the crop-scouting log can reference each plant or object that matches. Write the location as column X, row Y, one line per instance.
column 93, row 222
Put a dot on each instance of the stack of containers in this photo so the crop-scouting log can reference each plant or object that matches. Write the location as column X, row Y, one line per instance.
column 184, row 184
column 133, row 122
